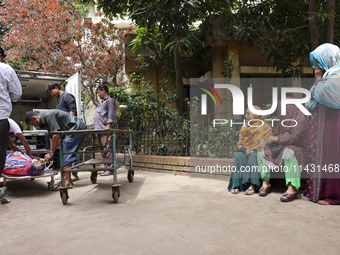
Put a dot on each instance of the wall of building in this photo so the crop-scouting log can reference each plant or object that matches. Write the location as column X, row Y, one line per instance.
column 249, row 65
column 120, row 23
column 180, row 165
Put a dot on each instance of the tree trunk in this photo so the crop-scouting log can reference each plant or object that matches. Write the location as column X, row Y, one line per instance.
column 314, row 33
column 329, row 23
column 179, row 81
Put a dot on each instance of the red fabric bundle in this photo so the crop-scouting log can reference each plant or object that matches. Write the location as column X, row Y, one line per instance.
column 18, row 164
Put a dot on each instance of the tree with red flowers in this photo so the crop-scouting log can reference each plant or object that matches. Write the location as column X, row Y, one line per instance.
column 52, row 36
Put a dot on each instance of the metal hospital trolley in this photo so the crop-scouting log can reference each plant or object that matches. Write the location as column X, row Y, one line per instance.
column 92, row 150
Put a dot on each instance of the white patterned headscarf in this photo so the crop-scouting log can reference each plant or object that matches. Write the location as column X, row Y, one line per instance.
column 327, row 56
column 327, row 91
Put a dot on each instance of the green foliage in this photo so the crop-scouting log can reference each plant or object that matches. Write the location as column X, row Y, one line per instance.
column 229, row 66
column 208, row 141
column 142, row 103
column 213, row 142
column 151, row 40
column 146, row 109
column 277, row 29
column 271, row 116
column 173, row 22
column 194, row 106
column 3, row 28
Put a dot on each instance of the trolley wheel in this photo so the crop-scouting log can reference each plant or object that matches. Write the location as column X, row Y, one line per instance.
column 50, row 185
column 130, row 176
column 93, row 177
column 64, row 196
column 115, row 195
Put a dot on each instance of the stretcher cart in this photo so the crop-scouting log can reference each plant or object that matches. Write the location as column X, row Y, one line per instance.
column 48, row 172
column 93, row 164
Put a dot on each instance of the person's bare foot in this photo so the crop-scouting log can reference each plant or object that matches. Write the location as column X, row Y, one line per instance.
column 235, row 191
column 59, row 186
column 323, row 202
column 265, row 188
column 75, row 178
column 266, row 184
column 68, row 185
column 250, row 190
column 290, row 190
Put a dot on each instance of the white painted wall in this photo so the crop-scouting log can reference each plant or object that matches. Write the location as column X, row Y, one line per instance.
column 120, row 23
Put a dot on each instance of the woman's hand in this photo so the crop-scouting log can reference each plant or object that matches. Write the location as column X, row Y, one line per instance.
column 272, row 139
column 247, row 153
column 262, row 145
column 48, row 157
column 318, row 73
column 269, row 140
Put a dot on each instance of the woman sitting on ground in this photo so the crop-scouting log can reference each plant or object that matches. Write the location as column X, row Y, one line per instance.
column 244, row 176
column 290, row 136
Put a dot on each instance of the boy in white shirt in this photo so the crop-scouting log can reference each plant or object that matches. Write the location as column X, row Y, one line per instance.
column 14, row 129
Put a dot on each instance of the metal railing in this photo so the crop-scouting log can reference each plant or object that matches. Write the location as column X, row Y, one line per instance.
column 186, row 137
column 209, row 141
column 166, row 137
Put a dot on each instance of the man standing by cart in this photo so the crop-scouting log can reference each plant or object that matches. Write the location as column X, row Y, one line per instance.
column 10, row 91
column 65, row 102
column 57, row 120
column 103, row 119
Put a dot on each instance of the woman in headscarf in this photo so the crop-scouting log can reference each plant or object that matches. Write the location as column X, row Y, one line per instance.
column 323, row 185
column 290, row 137
column 245, row 175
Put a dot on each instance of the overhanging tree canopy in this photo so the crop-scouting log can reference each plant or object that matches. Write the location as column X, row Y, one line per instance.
column 281, row 30
column 173, row 19
column 52, row 36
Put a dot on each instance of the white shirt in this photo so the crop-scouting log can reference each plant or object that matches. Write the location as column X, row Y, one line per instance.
column 14, row 127
column 10, row 90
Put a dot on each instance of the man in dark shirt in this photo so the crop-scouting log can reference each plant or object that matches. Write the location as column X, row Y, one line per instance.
column 57, row 120
column 65, row 102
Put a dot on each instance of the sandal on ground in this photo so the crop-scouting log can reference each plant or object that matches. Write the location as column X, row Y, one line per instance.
column 264, row 191
column 75, row 178
column 69, row 185
column 4, row 201
column 250, row 191
column 288, row 197
column 106, row 173
column 58, row 186
column 235, row 191
column 323, row 202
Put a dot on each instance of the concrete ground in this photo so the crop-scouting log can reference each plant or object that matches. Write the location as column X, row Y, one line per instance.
column 162, row 214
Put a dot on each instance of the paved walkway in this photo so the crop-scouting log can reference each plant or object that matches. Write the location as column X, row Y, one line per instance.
column 162, row 214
